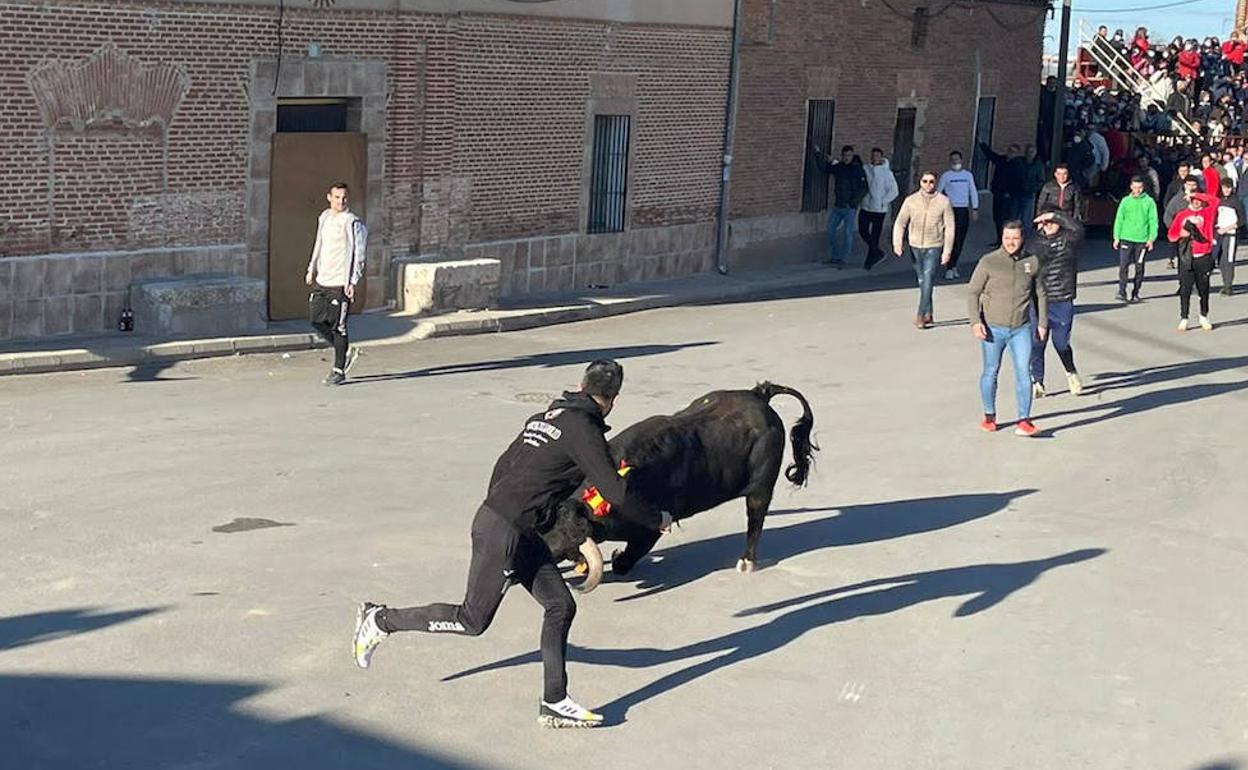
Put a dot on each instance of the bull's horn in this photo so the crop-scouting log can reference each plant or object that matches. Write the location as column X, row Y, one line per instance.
column 593, row 560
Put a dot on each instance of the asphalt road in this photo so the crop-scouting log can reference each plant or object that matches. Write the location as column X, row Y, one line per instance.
column 935, row 598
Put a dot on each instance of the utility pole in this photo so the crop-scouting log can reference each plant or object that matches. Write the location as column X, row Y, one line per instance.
column 1059, row 101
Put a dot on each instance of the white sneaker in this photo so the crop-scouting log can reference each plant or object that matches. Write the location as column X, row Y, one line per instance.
column 367, row 633
column 567, row 713
column 949, row 275
column 1182, row 324
column 1205, row 324
column 1037, row 390
column 353, row 355
column 1074, row 383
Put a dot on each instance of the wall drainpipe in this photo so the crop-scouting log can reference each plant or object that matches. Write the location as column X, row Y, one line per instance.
column 730, row 133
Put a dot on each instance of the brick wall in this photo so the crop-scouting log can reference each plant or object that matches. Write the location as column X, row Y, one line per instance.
column 485, row 131
column 860, row 54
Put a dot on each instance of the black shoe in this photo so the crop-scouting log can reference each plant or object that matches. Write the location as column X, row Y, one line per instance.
column 1135, row 298
column 839, row 264
column 335, row 378
column 1169, row 264
column 872, row 261
column 1122, row 296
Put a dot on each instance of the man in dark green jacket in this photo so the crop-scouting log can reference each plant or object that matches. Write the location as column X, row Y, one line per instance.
column 1135, row 231
column 998, row 304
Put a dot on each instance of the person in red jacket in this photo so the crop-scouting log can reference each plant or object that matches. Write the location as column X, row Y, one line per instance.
column 1189, row 61
column 1233, row 51
column 1211, row 177
column 1192, row 230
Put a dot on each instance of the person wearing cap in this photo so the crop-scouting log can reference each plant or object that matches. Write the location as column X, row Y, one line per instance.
column 1192, row 230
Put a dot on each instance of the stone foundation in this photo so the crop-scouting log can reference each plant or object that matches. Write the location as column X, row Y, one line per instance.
column 431, row 284
column 782, row 239
column 200, row 306
column 574, row 262
column 83, row 293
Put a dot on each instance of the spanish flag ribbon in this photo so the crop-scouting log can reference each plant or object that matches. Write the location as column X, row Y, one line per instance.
column 599, row 506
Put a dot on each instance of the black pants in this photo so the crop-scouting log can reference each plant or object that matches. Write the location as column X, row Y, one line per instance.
column 1130, row 253
column 870, row 225
column 1196, row 273
column 502, row 556
column 961, row 226
column 1225, row 249
column 328, row 308
column 1004, row 208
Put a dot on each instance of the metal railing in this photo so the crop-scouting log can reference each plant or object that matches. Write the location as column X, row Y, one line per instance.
column 1114, row 66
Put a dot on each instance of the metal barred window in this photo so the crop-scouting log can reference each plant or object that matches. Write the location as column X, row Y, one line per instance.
column 985, row 118
column 608, row 183
column 818, row 137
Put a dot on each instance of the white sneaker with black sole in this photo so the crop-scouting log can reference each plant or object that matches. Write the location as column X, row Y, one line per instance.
column 567, row 713
column 367, row 633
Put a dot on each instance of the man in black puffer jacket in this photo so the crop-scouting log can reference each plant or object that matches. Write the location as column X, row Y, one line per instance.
column 1055, row 242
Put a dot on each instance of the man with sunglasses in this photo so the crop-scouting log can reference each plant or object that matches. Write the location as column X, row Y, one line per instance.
column 926, row 222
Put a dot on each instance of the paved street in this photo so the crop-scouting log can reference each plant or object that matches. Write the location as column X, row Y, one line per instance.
column 935, row 598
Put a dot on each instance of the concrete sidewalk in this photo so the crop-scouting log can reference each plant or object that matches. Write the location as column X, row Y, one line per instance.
column 374, row 329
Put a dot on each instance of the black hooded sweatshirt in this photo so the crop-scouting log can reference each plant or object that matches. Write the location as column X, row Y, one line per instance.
column 556, row 451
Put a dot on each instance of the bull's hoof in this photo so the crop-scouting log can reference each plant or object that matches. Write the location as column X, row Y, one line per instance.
column 745, row 565
column 617, row 567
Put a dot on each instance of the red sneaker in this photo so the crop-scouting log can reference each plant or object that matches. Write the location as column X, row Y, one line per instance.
column 1025, row 428
column 988, row 424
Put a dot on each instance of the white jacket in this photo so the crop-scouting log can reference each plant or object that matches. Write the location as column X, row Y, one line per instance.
column 881, row 188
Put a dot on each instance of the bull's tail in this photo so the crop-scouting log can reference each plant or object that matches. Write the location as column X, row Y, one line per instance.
column 804, row 447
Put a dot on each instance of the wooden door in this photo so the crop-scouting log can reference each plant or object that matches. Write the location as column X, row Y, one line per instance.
column 304, row 166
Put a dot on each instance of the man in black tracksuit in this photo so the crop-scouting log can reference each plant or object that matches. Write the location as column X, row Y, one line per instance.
column 1056, row 240
column 555, row 452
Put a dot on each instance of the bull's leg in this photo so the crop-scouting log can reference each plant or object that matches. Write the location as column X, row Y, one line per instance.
column 756, row 506
column 638, row 546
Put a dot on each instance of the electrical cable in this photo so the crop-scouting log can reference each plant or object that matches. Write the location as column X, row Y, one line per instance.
column 281, row 18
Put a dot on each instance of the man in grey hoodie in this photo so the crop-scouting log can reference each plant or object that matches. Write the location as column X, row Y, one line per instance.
column 336, row 266
column 881, row 192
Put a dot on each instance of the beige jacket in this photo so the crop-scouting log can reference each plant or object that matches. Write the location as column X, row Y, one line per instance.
column 926, row 221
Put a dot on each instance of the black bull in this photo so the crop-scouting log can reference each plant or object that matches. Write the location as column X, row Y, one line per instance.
column 726, row 444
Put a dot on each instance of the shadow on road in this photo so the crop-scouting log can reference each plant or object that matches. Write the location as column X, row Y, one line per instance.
column 548, row 360
column 854, row 524
column 22, row 630
column 984, row 585
column 68, row 723
column 1155, row 399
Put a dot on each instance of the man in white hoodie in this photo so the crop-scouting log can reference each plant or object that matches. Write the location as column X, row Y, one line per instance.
column 881, row 192
column 336, row 266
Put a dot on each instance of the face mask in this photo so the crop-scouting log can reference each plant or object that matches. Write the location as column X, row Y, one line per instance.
column 957, row 166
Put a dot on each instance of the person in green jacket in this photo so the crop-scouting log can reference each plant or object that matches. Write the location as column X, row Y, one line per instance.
column 1135, row 230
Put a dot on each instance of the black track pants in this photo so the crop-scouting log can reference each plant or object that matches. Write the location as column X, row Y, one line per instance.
column 501, row 556
column 327, row 310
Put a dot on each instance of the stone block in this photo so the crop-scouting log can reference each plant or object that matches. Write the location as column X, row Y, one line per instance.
column 116, row 274
column 6, row 318
column 199, row 305
column 6, row 278
column 58, row 279
column 88, row 275
column 28, row 278
column 88, row 313
column 28, row 318
column 315, row 78
column 432, row 284
column 58, row 315
column 157, row 264
column 290, row 79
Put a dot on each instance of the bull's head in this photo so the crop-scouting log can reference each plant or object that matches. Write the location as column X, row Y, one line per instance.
column 571, row 537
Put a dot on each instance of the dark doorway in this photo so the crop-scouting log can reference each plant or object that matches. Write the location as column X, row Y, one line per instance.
column 819, row 117
column 307, row 115
column 985, row 117
column 903, row 152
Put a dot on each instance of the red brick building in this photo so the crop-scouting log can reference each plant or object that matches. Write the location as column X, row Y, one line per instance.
column 577, row 142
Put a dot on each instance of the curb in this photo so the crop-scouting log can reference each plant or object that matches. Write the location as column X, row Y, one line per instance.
column 42, row 362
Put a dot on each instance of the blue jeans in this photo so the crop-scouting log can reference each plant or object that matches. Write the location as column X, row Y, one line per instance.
column 1061, row 322
column 1018, row 340
column 841, row 247
column 925, row 261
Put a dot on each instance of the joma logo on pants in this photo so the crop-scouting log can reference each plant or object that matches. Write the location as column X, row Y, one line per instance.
column 445, row 625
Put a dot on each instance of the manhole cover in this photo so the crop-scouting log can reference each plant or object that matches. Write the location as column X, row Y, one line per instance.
column 535, row 398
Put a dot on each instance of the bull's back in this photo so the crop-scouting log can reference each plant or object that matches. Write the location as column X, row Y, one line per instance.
column 701, row 456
